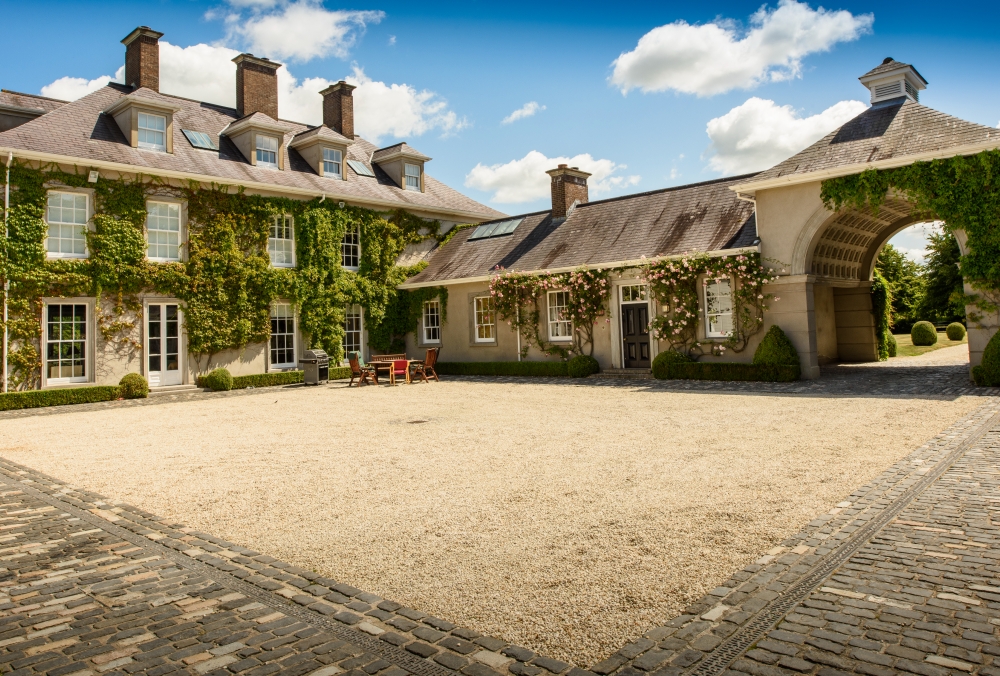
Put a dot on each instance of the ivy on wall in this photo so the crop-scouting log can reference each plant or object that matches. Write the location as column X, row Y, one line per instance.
column 226, row 281
column 882, row 311
column 962, row 191
column 520, row 299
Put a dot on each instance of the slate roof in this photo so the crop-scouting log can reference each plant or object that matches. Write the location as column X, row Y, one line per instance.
column 886, row 130
column 80, row 130
column 693, row 218
column 29, row 101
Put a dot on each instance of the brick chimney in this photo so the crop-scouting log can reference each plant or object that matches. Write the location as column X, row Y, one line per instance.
column 256, row 86
column 569, row 186
column 142, row 58
column 338, row 108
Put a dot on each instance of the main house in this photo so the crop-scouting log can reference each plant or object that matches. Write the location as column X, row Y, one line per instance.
column 195, row 302
column 823, row 260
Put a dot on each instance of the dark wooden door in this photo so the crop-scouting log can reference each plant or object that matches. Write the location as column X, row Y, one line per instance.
column 635, row 335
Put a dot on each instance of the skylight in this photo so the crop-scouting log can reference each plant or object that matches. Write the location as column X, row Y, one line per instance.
column 200, row 139
column 496, row 229
column 360, row 169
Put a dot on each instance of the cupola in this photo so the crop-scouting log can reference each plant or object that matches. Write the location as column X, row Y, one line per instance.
column 893, row 80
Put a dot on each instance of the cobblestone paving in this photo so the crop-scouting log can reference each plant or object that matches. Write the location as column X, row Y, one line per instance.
column 87, row 587
column 903, row 576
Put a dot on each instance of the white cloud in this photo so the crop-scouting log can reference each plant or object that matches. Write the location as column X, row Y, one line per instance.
column 525, row 180
column 399, row 110
column 73, row 88
column 392, row 40
column 207, row 73
column 298, row 31
column 716, row 57
column 760, row 133
column 913, row 241
column 527, row 110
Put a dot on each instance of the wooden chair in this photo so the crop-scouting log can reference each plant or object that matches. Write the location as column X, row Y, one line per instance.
column 387, row 357
column 360, row 370
column 400, row 367
column 427, row 366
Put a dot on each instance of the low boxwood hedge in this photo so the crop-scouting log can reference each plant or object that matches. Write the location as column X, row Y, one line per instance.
column 502, row 368
column 275, row 379
column 72, row 395
column 706, row 370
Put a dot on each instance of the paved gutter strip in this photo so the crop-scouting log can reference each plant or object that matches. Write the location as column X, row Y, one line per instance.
column 399, row 636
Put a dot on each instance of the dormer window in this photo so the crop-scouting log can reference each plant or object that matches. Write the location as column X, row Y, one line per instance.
column 153, row 132
column 333, row 162
column 267, row 151
column 412, row 176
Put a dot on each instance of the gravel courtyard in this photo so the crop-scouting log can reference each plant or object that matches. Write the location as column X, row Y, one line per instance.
column 565, row 517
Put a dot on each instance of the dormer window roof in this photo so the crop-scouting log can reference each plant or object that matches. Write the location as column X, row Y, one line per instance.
column 324, row 150
column 892, row 80
column 403, row 164
column 146, row 122
column 260, row 139
column 396, row 152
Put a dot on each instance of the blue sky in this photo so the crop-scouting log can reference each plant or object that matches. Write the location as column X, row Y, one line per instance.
column 444, row 76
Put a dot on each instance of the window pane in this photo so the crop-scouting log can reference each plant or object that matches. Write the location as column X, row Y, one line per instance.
column 282, row 335
column 350, row 249
column 352, row 330
column 66, row 341
column 484, row 318
column 152, row 131
column 332, row 162
column 412, row 172
column 163, row 230
column 267, row 151
column 432, row 321
column 66, row 214
column 559, row 324
column 281, row 243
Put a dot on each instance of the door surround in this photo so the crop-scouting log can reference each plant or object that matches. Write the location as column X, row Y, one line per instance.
column 182, row 336
column 617, row 342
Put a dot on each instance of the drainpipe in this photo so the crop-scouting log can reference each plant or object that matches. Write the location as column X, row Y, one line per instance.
column 517, row 318
column 6, row 282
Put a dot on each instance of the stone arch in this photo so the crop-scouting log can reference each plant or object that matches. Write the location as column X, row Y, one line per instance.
column 845, row 246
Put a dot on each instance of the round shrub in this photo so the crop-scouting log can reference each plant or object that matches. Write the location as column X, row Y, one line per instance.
column 134, row 386
column 776, row 350
column 662, row 362
column 218, row 380
column 582, row 366
column 923, row 334
column 955, row 331
column 987, row 374
column 893, row 345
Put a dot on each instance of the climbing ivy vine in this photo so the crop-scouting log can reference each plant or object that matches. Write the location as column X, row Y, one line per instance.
column 962, row 191
column 226, row 281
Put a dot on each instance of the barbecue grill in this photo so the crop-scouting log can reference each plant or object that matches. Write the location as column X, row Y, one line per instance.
column 315, row 366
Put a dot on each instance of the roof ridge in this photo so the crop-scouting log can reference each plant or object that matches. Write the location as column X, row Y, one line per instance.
column 34, row 96
column 670, row 189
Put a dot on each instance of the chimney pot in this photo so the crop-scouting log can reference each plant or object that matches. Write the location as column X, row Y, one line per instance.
column 569, row 187
column 338, row 108
column 256, row 86
column 142, row 58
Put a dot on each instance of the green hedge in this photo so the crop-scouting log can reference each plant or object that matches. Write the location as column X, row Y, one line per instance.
column 73, row 395
column 704, row 370
column 502, row 368
column 275, row 379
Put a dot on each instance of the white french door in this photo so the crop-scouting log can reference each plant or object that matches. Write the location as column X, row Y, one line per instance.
column 163, row 344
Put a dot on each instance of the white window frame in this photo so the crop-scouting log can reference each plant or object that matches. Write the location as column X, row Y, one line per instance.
column 355, row 310
column 258, row 150
column 180, row 228
column 481, row 310
column 351, row 250
column 281, row 222
column 431, row 322
column 339, row 163
column 708, row 287
column 83, row 228
column 144, row 131
column 417, row 178
column 289, row 314
column 88, row 352
column 556, row 324
column 634, row 293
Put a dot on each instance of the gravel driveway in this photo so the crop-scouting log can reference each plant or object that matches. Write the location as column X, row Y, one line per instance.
column 565, row 517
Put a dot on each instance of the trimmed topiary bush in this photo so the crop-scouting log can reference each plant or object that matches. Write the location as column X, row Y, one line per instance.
column 987, row 374
column 955, row 331
column 218, row 380
column 923, row 334
column 776, row 350
column 133, row 386
column 663, row 361
column 893, row 345
column 581, row 366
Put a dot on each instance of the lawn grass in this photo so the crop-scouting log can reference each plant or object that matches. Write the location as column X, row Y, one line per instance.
column 906, row 348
